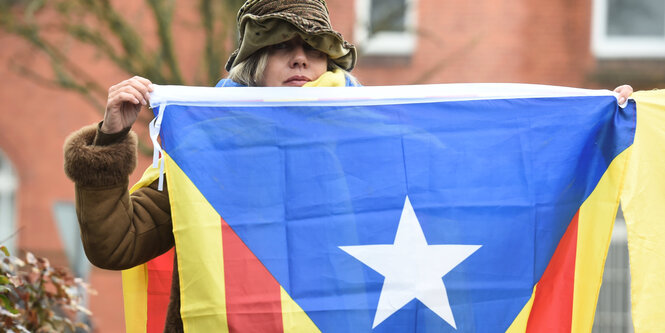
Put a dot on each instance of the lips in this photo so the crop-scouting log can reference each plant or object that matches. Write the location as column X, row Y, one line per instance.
column 297, row 81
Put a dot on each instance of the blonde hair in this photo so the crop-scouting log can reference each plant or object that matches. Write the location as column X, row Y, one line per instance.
column 249, row 72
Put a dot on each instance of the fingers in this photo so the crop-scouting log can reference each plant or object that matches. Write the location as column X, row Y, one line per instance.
column 143, row 80
column 119, row 97
column 137, row 87
column 142, row 85
column 624, row 87
column 124, row 103
column 127, row 94
column 624, row 91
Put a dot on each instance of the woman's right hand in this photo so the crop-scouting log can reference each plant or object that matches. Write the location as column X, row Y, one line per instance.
column 124, row 103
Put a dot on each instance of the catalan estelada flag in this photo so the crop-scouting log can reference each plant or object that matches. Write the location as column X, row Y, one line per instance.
column 443, row 208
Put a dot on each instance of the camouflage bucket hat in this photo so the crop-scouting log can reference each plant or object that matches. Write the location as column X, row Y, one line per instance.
column 263, row 23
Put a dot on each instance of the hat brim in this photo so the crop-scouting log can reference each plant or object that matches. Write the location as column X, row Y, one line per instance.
column 266, row 30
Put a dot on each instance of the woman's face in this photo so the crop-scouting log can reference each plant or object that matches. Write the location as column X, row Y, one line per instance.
column 293, row 63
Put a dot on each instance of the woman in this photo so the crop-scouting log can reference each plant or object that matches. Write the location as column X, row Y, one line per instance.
column 282, row 43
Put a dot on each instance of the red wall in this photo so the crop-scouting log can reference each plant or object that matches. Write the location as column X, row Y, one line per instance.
column 546, row 42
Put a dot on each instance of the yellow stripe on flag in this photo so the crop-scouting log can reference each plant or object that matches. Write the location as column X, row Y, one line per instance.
column 643, row 203
column 135, row 297
column 594, row 233
column 519, row 324
column 198, row 240
column 294, row 319
column 135, row 280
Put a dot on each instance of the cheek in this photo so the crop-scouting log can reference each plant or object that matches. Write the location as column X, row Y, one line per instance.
column 271, row 74
column 320, row 65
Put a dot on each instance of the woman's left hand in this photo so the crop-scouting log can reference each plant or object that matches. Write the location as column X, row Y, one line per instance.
column 624, row 92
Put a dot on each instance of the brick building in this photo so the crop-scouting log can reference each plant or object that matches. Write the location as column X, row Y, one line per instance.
column 559, row 42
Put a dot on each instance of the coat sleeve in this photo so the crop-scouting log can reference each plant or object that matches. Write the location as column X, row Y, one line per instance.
column 118, row 230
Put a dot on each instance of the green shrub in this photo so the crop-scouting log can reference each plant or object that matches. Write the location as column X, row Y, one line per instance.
column 37, row 297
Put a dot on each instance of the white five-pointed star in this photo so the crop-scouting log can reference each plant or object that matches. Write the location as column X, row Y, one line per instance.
column 412, row 268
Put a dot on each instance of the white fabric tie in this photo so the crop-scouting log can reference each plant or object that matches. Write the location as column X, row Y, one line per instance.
column 155, row 127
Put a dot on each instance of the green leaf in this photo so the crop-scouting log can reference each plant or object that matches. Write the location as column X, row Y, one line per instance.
column 4, row 250
column 7, row 304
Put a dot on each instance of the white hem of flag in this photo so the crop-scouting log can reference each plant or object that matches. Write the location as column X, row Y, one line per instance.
column 374, row 95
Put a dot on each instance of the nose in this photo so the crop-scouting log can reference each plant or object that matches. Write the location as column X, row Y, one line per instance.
column 299, row 57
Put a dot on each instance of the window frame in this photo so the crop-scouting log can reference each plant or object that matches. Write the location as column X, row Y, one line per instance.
column 604, row 46
column 386, row 43
column 8, row 189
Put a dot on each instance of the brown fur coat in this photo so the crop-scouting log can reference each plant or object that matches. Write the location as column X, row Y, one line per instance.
column 119, row 230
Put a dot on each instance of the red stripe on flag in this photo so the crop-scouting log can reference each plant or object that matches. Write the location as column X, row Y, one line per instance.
column 253, row 298
column 552, row 309
column 160, row 273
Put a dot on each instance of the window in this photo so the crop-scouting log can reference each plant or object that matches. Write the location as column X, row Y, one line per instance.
column 68, row 228
column 613, row 308
column 629, row 28
column 8, row 185
column 386, row 27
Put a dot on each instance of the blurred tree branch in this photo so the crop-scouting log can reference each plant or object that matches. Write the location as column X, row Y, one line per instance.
column 49, row 27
